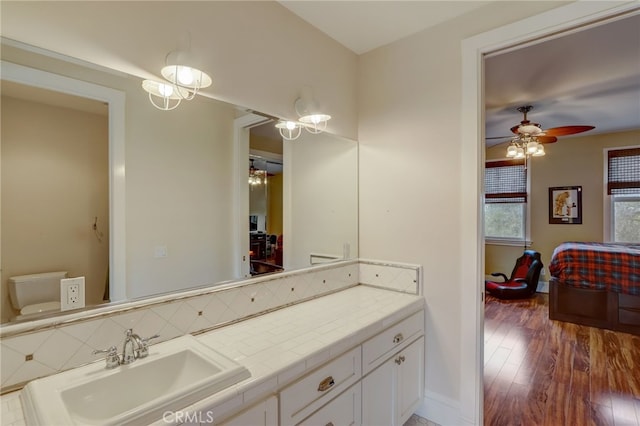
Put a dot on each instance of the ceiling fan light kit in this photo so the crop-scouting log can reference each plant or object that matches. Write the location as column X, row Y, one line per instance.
column 530, row 137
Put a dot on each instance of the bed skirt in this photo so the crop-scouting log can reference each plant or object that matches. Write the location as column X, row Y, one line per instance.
column 595, row 308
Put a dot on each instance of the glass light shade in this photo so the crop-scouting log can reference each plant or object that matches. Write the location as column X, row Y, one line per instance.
column 520, row 153
column 163, row 90
column 512, row 150
column 532, row 147
column 539, row 151
column 185, row 76
column 315, row 123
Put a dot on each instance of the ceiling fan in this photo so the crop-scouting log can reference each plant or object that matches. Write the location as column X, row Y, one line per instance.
column 527, row 129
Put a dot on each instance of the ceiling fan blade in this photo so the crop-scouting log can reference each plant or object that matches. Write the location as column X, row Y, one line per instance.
column 546, row 139
column 567, row 130
column 499, row 137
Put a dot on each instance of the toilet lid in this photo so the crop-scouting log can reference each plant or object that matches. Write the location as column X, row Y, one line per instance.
column 40, row 307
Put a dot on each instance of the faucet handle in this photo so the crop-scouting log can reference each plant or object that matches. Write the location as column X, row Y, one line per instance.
column 112, row 359
column 143, row 351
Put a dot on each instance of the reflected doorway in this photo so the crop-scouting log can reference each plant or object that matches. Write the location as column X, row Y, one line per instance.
column 265, row 200
column 55, row 192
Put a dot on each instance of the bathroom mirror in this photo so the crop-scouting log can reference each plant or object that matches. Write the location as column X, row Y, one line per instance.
column 182, row 218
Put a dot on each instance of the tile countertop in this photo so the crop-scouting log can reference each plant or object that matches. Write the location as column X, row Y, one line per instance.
column 280, row 346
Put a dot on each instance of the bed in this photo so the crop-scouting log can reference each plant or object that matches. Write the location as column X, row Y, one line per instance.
column 596, row 284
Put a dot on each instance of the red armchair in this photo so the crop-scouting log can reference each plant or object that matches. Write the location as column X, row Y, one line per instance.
column 523, row 281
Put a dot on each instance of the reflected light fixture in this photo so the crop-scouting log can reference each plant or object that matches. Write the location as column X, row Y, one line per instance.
column 183, row 76
column 289, row 130
column 311, row 118
column 164, row 96
column 256, row 176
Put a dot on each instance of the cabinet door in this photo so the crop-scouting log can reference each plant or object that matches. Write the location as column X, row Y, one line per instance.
column 410, row 380
column 343, row 411
column 264, row 413
column 392, row 392
column 378, row 396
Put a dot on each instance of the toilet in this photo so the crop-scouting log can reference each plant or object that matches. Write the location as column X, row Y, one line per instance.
column 35, row 294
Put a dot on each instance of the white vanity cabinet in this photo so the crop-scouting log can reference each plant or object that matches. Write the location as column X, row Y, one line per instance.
column 383, row 378
column 345, row 410
column 264, row 413
column 394, row 366
column 313, row 391
column 392, row 392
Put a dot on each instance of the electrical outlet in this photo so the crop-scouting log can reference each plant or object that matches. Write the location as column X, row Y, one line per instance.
column 71, row 293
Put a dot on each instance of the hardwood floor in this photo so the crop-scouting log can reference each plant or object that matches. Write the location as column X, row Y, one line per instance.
column 543, row 372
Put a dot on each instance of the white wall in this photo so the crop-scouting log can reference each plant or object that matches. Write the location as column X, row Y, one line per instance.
column 410, row 108
column 260, row 55
column 179, row 195
column 245, row 45
column 54, row 183
column 321, row 212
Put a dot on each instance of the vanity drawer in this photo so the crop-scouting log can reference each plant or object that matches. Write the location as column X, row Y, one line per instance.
column 396, row 337
column 342, row 411
column 318, row 387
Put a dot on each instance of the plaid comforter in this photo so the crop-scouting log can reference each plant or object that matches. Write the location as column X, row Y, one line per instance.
column 598, row 266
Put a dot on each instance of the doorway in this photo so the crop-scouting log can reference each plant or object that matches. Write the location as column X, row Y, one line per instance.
column 115, row 101
column 557, row 20
column 266, row 181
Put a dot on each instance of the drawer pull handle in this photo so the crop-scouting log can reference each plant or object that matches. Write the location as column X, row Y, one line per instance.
column 326, row 384
column 400, row 359
column 398, row 338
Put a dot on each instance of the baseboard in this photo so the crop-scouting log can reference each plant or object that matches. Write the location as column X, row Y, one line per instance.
column 441, row 410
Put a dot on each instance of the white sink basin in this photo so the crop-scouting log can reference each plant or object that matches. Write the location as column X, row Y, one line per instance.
column 176, row 373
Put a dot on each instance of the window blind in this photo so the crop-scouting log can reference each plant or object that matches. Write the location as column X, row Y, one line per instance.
column 624, row 171
column 505, row 182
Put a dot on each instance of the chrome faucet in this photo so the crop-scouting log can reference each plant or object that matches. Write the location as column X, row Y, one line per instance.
column 130, row 347
column 134, row 347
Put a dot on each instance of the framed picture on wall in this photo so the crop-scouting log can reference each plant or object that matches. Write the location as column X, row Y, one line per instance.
column 565, row 205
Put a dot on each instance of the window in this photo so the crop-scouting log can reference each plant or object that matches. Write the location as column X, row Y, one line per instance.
column 623, row 194
column 505, row 205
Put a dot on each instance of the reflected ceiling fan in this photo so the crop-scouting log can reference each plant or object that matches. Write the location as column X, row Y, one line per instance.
column 529, row 137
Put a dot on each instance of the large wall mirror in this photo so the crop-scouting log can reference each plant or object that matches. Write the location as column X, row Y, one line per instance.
column 149, row 202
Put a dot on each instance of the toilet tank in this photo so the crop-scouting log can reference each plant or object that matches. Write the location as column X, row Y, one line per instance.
column 35, row 288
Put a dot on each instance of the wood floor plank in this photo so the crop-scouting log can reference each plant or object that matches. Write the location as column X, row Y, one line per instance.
column 543, row 372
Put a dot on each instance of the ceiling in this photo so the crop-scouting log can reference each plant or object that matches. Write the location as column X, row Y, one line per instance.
column 362, row 26
column 588, row 77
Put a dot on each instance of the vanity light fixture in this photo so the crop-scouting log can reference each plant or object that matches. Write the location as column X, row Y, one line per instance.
column 311, row 118
column 183, row 82
column 310, row 115
column 183, row 76
column 289, row 130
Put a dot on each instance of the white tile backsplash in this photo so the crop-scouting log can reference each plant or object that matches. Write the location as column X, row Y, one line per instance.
column 69, row 345
column 65, row 346
column 398, row 277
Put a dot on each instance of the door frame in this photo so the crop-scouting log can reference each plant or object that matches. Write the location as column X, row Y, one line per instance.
column 116, row 101
column 553, row 23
